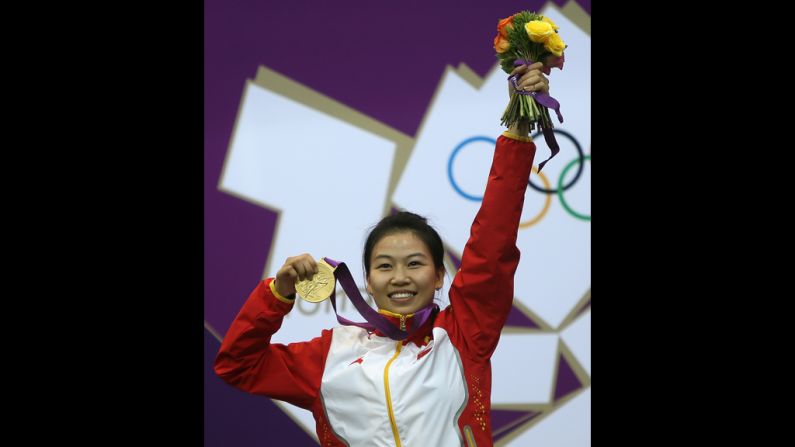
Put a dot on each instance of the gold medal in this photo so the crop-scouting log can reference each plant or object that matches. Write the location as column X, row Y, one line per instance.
column 320, row 286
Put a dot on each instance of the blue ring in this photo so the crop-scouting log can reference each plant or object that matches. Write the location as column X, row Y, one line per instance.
column 450, row 166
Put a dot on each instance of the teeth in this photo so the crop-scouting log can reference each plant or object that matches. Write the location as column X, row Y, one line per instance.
column 401, row 295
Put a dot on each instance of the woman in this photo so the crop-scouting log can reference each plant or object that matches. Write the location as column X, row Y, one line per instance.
column 430, row 389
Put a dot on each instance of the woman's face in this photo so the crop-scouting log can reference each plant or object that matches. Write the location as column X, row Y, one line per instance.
column 401, row 275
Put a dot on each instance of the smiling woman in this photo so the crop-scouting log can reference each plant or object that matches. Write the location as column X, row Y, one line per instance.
column 430, row 386
column 403, row 263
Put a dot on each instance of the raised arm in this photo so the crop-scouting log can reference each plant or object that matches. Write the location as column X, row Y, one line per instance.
column 482, row 292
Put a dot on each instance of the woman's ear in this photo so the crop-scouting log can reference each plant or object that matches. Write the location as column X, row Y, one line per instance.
column 439, row 279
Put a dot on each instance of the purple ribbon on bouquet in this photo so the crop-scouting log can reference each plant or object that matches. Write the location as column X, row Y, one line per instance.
column 374, row 319
column 545, row 100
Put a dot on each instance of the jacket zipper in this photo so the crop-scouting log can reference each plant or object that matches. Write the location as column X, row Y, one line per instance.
column 389, row 395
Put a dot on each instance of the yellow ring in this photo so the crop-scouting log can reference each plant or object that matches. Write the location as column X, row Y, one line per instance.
column 547, row 202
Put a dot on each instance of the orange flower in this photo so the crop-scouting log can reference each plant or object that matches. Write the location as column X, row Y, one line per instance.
column 503, row 26
column 501, row 44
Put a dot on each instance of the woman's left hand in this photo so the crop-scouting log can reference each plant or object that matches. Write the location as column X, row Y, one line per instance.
column 531, row 78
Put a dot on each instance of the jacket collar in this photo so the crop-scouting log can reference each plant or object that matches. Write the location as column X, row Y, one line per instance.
column 420, row 336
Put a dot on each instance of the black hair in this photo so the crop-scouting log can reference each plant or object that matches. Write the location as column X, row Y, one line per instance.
column 404, row 221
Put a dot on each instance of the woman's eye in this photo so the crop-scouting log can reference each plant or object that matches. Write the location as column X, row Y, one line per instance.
column 383, row 266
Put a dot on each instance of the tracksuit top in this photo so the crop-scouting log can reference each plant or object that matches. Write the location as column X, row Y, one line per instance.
column 365, row 389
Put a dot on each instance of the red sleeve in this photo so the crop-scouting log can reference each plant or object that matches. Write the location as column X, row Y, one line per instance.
column 247, row 360
column 481, row 295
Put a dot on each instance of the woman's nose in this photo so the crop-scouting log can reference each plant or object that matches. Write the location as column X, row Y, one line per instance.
column 399, row 276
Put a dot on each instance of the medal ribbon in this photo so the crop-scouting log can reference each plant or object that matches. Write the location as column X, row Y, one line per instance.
column 374, row 319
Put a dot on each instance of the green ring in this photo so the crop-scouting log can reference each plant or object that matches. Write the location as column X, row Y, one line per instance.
column 560, row 190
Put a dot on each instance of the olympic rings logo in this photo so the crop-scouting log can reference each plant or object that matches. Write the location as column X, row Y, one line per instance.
column 559, row 190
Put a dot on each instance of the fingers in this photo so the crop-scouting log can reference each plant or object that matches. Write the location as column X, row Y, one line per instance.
column 522, row 69
column 531, row 78
column 295, row 269
column 534, row 82
column 300, row 267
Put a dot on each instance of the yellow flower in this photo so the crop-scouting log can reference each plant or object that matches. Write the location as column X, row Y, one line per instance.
column 554, row 44
column 548, row 20
column 538, row 31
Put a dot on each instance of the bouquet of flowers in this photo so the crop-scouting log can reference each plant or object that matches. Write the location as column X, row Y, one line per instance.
column 523, row 39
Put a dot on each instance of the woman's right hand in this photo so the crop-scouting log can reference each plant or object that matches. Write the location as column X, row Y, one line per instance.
column 295, row 268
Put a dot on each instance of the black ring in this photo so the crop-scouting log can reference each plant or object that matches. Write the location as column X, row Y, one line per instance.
column 579, row 170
